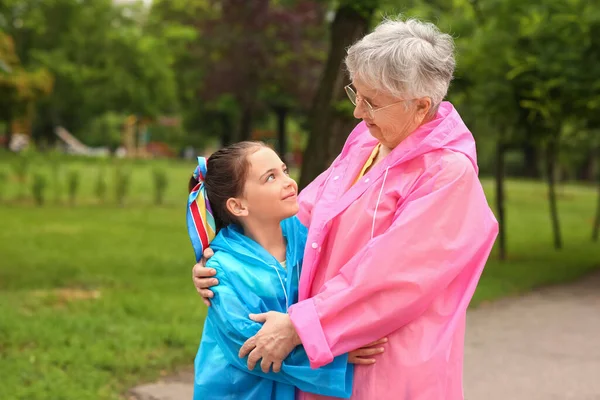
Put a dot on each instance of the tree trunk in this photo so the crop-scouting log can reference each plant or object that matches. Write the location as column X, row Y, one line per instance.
column 550, row 169
column 281, row 113
column 348, row 26
column 500, row 171
column 596, row 229
column 597, row 220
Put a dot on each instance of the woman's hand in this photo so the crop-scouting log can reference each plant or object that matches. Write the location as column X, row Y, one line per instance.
column 203, row 277
column 360, row 356
column 273, row 342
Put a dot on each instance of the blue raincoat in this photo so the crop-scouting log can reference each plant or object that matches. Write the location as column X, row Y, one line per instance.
column 252, row 281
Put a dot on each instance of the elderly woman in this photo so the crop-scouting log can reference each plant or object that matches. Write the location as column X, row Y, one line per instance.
column 399, row 229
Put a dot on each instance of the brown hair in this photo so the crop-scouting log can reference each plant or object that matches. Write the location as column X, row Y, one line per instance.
column 226, row 172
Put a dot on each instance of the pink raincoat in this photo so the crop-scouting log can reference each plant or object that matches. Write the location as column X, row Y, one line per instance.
column 397, row 254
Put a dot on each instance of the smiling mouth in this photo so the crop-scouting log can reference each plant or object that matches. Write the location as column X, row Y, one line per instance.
column 289, row 196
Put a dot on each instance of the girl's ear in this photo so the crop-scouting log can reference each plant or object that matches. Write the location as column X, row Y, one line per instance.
column 237, row 207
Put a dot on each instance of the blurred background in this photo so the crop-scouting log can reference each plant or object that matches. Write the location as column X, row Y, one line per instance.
column 105, row 104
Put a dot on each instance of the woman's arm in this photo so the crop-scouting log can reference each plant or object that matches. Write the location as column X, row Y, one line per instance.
column 229, row 315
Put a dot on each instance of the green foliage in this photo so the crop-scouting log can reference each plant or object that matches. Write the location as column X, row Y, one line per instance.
column 105, row 131
column 122, row 183
column 73, row 183
column 55, row 161
column 161, row 182
column 524, row 68
column 3, row 183
column 141, row 185
column 362, row 7
column 38, row 188
column 101, row 186
column 101, row 56
column 20, row 87
column 175, row 136
column 21, row 168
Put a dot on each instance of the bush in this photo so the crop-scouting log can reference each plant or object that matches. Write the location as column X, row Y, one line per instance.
column 101, row 186
column 160, row 185
column 105, row 131
column 3, row 183
column 38, row 188
column 122, row 182
column 21, row 167
column 73, row 185
column 55, row 170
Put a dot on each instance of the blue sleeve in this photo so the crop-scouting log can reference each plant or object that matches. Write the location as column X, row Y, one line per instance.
column 229, row 315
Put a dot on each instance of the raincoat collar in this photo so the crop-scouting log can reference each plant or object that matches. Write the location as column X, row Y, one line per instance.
column 445, row 131
column 232, row 240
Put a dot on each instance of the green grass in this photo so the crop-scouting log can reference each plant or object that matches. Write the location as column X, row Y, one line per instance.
column 96, row 298
column 93, row 300
column 532, row 261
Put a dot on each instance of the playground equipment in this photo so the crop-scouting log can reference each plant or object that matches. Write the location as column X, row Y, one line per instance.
column 75, row 146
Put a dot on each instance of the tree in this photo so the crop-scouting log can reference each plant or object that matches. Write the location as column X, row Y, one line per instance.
column 100, row 56
column 249, row 59
column 19, row 89
column 555, row 39
column 524, row 79
column 351, row 22
column 296, row 37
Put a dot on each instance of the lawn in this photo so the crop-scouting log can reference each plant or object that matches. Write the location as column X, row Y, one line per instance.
column 532, row 261
column 96, row 298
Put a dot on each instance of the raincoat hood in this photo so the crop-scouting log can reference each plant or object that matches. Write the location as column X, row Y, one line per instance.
column 233, row 241
column 445, row 131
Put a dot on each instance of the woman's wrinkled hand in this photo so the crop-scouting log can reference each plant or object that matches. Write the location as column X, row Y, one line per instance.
column 273, row 342
column 363, row 356
column 203, row 277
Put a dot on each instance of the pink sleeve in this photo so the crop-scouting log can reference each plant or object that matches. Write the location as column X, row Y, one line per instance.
column 442, row 230
column 309, row 196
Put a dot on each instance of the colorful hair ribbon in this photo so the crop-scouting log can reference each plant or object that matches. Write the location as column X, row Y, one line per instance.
column 200, row 221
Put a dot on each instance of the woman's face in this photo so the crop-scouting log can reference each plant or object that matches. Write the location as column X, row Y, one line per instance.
column 394, row 123
column 269, row 192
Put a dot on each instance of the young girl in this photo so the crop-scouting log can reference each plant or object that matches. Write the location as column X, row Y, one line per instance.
column 243, row 202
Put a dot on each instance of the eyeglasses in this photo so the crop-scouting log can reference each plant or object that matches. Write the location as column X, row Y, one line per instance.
column 355, row 98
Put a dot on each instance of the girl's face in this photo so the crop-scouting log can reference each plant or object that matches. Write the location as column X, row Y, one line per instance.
column 269, row 192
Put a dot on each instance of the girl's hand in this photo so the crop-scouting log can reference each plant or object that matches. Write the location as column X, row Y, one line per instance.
column 362, row 356
column 203, row 277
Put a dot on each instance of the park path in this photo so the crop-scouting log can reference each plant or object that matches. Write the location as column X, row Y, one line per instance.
column 542, row 346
